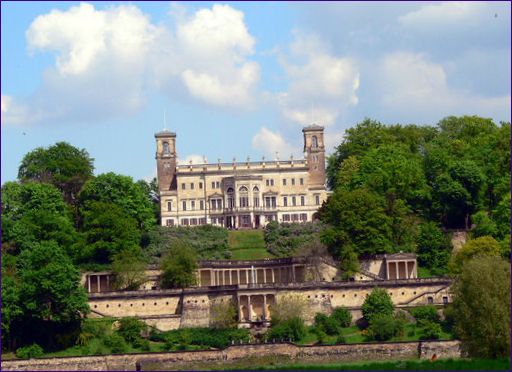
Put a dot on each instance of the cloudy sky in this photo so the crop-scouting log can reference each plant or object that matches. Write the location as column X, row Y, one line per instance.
column 239, row 79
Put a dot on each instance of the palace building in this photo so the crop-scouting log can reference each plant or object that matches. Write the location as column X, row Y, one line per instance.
column 241, row 194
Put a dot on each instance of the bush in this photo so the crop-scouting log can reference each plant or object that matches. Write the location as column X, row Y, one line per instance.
column 382, row 327
column 400, row 322
column 116, row 343
column 320, row 320
column 31, row 351
column 430, row 331
column 206, row 337
column 131, row 329
column 449, row 319
column 292, row 329
column 286, row 239
column 144, row 345
column 320, row 335
column 223, row 315
column 342, row 316
column 378, row 302
column 157, row 336
column 425, row 313
column 341, row 339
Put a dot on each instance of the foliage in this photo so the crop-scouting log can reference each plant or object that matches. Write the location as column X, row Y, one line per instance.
column 206, row 337
column 287, row 307
column 290, row 329
column 482, row 246
column 342, row 316
column 28, row 352
column 116, row 343
column 482, row 297
column 131, row 330
column 35, row 212
column 209, row 242
column 223, row 315
column 377, row 302
column 61, row 165
column 430, row 330
column 433, row 248
column 129, row 268
column 382, row 327
column 107, row 230
column 349, row 263
column 286, row 239
column 341, row 339
column 120, row 190
column 178, row 267
column 425, row 313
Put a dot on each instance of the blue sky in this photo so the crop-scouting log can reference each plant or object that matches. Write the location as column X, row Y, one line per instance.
column 239, row 79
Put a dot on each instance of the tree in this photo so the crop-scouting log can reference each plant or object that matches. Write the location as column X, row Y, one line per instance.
column 482, row 246
column 35, row 212
column 482, row 307
column 120, row 190
column 52, row 300
column 129, row 268
column 291, row 329
column 433, row 248
column 382, row 327
column 287, row 307
column 357, row 219
column 342, row 316
column 107, row 230
column 179, row 267
column 223, row 315
column 377, row 302
column 349, row 263
column 62, row 165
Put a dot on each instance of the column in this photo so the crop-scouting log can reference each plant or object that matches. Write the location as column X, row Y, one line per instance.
column 88, row 283
column 211, row 276
column 108, row 282
column 264, row 275
column 99, row 283
column 247, row 276
column 265, row 307
column 249, row 308
column 396, row 270
column 230, row 277
column 273, row 277
column 387, row 270
column 293, row 273
column 238, row 275
column 407, row 269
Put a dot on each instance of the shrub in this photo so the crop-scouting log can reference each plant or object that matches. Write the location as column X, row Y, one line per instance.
column 400, row 322
column 341, row 339
column 131, row 329
column 223, row 315
column 293, row 329
column 31, row 351
column 320, row 320
column 286, row 239
column 430, row 331
column 331, row 327
column 217, row 338
column 342, row 316
column 156, row 336
column 425, row 313
column 116, row 343
column 382, row 327
column 320, row 335
column 288, row 307
column 377, row 302
column 144, row 345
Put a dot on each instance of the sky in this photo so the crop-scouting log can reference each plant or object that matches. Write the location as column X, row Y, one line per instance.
column 239, row 79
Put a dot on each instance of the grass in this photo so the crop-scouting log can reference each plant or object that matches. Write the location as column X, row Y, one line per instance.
column 247, row 245
column 424, row 272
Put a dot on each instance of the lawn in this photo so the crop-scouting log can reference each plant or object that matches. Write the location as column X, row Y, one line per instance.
column 247, row 245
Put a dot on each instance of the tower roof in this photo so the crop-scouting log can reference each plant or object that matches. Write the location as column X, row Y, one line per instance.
column 165, row 133
column 312, row 127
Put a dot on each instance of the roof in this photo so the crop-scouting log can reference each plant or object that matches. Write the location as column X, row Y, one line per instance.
column 312, row 127
column 165, row 133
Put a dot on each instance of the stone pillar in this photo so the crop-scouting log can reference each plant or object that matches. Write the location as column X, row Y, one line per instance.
column 273, row 277
column 108, row 282
column 247, row 276
column 396, row 270
column 211, row 277
column 264, row 275
column 89, row 283
column 265, row 307
column 293, row 273
column 407, row 269
column 249, row 308
column 238, row 275
column 387, row 270
column 99, row 282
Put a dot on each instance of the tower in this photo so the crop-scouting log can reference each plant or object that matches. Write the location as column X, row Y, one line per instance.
column 314, row 152
column 166, row 160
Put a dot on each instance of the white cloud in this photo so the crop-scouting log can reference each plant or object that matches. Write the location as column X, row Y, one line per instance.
column 194, row 158
column 411, row 84
column 321, row 87
column 106, row 62
column 459, row 13
column 271, row 142
column 332, row 140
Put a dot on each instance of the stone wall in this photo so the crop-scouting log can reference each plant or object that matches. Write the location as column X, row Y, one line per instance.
column 180, row 360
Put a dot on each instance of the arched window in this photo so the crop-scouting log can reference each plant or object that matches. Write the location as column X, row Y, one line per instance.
column 166, row 148
column 244, row 197
column 314, row 141
column 243, row 189
column 256, row 196
column 231, row 199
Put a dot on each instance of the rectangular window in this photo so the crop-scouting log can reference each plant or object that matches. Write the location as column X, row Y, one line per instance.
column 184, row 221
column 192, row 205
column 201, row 204
column 169, row 222
column 202, row 221
column 285, row 201
column 284, row 181
column 193, row 221
column 302, row 200
column 301, row 181
column 267, row 202
column 317, row 199
column 217, row 184
column 271, row 182
column 231, row 203
column 303, row 217
column 430, row 300
column 273, row 201
column 169, row 206
column 294, row 201
column 183, row 186
column 200, row 185
column 244, row 201
column 295, row 217
column 213, row 185
column 256, row 201
column 267, row 182
column 286, row 217
column 214, row 220
column 184, row 204
column 191, row 186
column 293, row 181
column 445, row 300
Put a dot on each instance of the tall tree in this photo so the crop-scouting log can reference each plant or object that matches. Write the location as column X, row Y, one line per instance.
column 62, row 165
column 179, row 267
column 482, row 307
column 123, row 192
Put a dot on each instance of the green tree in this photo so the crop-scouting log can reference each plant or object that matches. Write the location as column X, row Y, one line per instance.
column 433, row 248
column 482, row 307
column 377, row 302
column 131, row 329
column 482, row 246
column 357, row 219
column 349, row 263
column 62, row 165
column 223, row 315
column 342, row 316
column 287, row 307
column 107, row 230
column 382, row 327
column 129, row 268
column 179, row 267
column 120, row 190
column 291, row 329
column 35, row 212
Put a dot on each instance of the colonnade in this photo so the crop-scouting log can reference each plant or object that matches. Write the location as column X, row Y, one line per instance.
column 255, row 307
column 401, row 269
column 251, row 275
